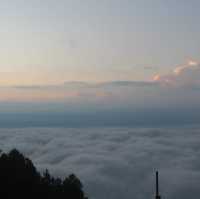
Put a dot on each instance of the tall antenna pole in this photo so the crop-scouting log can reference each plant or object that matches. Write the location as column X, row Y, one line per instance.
column 157, row 187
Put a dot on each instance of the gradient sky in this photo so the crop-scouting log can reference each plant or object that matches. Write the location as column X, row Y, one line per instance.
column 134, row 59
column 50, row 42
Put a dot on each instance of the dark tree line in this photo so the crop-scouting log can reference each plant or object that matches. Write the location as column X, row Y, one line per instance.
column 20, row 179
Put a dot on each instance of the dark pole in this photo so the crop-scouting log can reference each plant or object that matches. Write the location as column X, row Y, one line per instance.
column 157, row 186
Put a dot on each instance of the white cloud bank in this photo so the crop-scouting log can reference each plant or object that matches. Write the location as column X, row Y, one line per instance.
column 116, row 163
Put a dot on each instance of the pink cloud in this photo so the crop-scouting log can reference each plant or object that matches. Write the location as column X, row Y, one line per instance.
column 188, row 74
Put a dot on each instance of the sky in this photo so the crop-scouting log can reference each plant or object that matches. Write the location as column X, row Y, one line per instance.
column 45, row 42
column 100, row 56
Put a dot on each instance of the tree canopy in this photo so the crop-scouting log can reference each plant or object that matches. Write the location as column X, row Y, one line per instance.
column 19, row 178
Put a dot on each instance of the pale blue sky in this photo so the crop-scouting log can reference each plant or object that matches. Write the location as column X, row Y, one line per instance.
column 52, row 41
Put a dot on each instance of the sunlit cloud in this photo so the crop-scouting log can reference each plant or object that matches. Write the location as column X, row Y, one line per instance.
column 193, row 63
column 181, row 75
column 190, row 64
column 156, row 78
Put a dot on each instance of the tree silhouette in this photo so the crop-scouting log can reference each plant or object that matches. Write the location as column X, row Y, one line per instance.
column 20, row 179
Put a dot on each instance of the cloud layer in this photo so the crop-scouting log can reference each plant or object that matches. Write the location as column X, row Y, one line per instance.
column 116, row 163
column 170, row 98
column 182, row 77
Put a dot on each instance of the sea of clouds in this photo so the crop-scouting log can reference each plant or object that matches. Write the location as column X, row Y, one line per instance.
column 115, row 163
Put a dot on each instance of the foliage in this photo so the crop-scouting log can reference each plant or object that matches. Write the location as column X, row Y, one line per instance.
column 20, row 179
